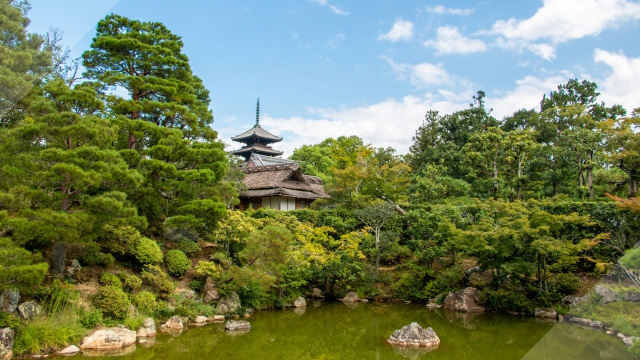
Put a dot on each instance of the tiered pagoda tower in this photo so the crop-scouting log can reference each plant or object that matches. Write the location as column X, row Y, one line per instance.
column 256, row 140
column 273, row 182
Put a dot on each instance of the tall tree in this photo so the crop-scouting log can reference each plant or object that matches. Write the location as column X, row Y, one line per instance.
column 23, row 58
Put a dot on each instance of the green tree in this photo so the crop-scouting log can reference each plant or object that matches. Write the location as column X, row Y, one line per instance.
column 376, row 217
column 623, row 147
column 24, row 59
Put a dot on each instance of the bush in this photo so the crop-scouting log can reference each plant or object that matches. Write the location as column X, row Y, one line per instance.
column 131, row 281
column 158, row 280
column 188, row 246
column 506, row 301
column 192, row 308
column 133, row 323
column 112, row 301
column 196, row 285
column 145, row 301
column 447, row 280
column 92, row 255
column 108, row 279
column 206, row 269
column 8, row 320
column 90, row 319
column 177, row 262
column 147, row 251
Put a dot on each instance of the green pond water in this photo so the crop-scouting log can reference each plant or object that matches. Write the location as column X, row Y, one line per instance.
column 338, row 331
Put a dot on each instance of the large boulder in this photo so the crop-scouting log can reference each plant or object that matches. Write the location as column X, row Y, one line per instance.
column 9, row 300
column 29, row 309
column 300, row 302
column 464, row 300
column 574, row 301
column 6, row 343
column 350, row 297
column 239, row 325
column 109, row 339
column 148, row 328
column 607, row 294
column 210, row 291
column 414, row 335
column 545, row 313
column 229, row 304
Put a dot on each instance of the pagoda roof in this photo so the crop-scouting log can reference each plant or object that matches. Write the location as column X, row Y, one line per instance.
column 255, row 148
column 256, row 132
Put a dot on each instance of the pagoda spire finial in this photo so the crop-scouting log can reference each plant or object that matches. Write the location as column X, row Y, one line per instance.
column 258, row 112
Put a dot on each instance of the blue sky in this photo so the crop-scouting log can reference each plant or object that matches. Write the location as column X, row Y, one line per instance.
column 373, row 68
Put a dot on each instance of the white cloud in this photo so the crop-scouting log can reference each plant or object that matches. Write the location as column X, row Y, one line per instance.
column 334, row 41
column 559, row 21
column 421, row 75
column 450, row 41
column 401, row 30
column 441, row 9
column 621, row 86
column 336, row 9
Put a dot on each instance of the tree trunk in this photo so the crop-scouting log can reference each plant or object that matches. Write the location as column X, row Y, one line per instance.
column 590, row 175
column 377, row 250
column 633, row 185
column 59, row 258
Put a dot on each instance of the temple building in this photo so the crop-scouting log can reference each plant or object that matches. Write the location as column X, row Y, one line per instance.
column 273, row 182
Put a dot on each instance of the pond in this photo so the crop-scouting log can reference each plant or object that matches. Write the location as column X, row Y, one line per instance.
column 359, row 331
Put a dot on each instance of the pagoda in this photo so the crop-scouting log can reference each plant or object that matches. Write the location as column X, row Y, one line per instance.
column 273, row 182
column 256, row 140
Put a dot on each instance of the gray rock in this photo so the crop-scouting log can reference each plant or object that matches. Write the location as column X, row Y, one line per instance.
column 414, row 335
column 632, row 295
column 109, row 339
column 29, row 309
column 200, row 319
column 210, row 291
column 187, row 293
column 350, row 297
column 317, row 294
column 545, row 313
column 574, row 301
column 233, row 325
column 229, row 304
column 74, row 269
column 597, row 324
column 433, row 305
column 300, row 302
column 6, row 343
column 630, row 340
column 148, row 328
column 464, row 300
column 133, row 310
column 216, row 318
column 175, row 323
column 9, row 300
column 607, row 294
column 69, row 350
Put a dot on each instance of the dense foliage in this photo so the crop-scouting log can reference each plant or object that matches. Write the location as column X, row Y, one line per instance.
column 140, row 191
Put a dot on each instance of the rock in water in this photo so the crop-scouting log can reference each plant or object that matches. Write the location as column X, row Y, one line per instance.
column 545, row 313
column 317, row 294
column 6, row 343
column 29, row 309
column 148, row 328
column 464, row 300
column 229, row 304
column 175, row 323
column 414, row 335
column 200, row 319
column 69, row 350
column 109, row 339
column 350, row 297
column 300, row 302
column 233, row 325
column 9, row 300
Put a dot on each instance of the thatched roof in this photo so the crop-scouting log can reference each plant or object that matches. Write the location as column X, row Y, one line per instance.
column 262, row 160
column 282, row 179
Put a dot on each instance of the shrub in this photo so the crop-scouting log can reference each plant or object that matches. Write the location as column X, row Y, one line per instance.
column 93, row 256
column 447, row 280
column 196, row 285
column 131, row 281
column 507, row 301
column 177, row 262
column 112, row 301
column 206, row 269
column 192, row 308
column 145, row 301
column 147, row 251
column 188, row 246
column 8, row 320
column 133, row 323
column 158, row 280
column 108, row 279
column 90, row 319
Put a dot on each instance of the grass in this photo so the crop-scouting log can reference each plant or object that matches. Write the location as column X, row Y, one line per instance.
column 48, row 334
column 623, row 316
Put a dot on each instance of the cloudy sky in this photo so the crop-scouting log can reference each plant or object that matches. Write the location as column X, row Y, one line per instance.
column 325, row 68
